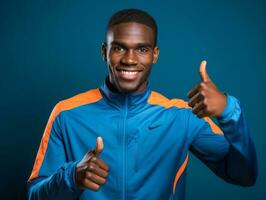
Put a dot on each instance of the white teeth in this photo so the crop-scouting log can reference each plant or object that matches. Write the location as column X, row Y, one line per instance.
column 128, row 73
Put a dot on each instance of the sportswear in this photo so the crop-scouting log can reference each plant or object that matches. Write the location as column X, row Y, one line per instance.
column 147, row 139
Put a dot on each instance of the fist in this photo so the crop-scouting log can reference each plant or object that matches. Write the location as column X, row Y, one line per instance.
column 91, row 171
column 206, row 99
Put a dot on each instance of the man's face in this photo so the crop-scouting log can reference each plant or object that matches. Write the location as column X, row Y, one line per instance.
column 130, row 52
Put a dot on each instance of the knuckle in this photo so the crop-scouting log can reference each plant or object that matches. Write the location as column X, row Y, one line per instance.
column 93, row 158
column 91, row 167
column 89, row 175
column 202, row 93
column 201, row 85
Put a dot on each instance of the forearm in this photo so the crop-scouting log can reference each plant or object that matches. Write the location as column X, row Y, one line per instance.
column 241, row 160
column 59, row 185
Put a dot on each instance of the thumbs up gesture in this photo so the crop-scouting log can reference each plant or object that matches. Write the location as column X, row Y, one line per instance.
column 205, row 98
column 91, row 171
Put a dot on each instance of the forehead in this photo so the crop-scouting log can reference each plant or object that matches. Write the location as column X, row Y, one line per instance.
column 131, row 33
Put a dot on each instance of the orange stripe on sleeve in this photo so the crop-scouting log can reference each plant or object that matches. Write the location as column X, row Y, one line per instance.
column 180, row 172
column 158, row 99
column 213, row 126
column 88, row 97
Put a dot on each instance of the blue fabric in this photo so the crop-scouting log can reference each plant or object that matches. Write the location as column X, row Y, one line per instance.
column 144, row 146
column 232, row 110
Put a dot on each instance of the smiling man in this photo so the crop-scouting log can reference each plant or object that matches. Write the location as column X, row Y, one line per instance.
column 130, row 51
column 142, row 138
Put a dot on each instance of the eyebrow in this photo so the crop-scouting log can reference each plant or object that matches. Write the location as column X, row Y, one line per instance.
column 138, row 44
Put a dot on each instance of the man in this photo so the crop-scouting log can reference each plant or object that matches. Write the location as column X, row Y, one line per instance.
column 142, row 138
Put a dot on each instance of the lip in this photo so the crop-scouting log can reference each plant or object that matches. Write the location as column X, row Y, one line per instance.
column 128, row 74
column 129, row 70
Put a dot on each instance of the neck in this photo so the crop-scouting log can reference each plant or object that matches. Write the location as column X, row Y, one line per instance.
column 114, row 89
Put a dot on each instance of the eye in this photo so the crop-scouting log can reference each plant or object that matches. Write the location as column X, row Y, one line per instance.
column 118, row 49
column 143, row 49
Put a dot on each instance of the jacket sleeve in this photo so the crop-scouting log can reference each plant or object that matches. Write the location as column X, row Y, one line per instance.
column 52, row 174
column 229, row 153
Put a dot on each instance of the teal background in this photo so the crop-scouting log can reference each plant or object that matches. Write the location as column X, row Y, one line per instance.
column 50, row 50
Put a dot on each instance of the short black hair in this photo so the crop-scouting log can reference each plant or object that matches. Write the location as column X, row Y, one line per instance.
column 133, row 15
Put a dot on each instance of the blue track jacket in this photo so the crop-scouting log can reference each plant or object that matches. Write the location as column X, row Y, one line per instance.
column 147, row 138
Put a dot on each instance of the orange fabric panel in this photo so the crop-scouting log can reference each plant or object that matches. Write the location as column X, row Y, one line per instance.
column 180, row 172
column 88, row 97
column 213, row 126
column 158, row 99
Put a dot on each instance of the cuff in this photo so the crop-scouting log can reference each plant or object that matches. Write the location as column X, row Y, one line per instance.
column 231, row 111
column 71, row 177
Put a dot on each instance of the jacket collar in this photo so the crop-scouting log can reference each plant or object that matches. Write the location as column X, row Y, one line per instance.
column 131, row 101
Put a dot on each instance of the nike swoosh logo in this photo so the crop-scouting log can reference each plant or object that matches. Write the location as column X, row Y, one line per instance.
column 154, row 125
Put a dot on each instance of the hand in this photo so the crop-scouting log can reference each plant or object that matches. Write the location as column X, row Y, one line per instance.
column 91, row 172
column 205, row 98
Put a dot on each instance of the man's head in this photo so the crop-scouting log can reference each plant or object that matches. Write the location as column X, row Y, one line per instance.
column 130, row 49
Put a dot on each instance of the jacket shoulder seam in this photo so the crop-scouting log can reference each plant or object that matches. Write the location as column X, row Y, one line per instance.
column 88, row 97
column 158, row 99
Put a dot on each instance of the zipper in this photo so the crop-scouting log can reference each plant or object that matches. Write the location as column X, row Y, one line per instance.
column 124, row 150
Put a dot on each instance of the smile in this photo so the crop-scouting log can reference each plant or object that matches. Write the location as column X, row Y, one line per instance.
column 129, row 72
column 129, row 75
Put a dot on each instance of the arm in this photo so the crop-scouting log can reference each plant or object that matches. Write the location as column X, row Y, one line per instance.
column 59, row 185
column 229, row 152
column 230, row 155
column 52, row 176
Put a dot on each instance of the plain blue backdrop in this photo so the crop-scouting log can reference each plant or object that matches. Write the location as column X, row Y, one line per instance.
column 50, row 50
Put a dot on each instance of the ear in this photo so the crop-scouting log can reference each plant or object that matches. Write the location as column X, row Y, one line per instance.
column 104, row 51
column 156, row 52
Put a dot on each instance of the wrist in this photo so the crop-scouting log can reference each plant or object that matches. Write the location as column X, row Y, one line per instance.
column 231, row 110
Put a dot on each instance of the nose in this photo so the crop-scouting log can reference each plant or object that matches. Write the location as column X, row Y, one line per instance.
column 129, row 58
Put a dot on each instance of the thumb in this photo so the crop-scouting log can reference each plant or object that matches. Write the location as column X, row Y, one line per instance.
column 99, row 146
column 203, row 72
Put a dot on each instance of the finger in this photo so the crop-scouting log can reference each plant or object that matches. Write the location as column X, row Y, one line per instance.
column 202, row 113
column 203, row 72
column 89, row 156
column 193, row 91
column 198, row 107
column 101, row 164
column 195, row 99
column 91, row 185
column 97, row 170
column 95, row 178
column 99, row 146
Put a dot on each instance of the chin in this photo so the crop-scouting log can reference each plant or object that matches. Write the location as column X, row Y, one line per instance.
column 128, row 88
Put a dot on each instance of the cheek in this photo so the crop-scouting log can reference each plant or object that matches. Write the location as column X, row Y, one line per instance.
column 113, row 60
column 146, row 60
